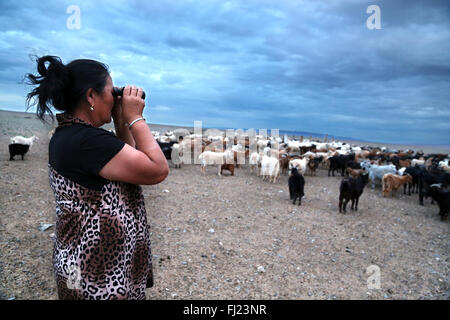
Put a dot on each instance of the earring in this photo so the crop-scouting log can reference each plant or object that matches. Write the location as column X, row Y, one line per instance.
column 92, row 108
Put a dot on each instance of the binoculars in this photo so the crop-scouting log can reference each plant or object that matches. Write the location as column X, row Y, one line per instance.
column 118, row 92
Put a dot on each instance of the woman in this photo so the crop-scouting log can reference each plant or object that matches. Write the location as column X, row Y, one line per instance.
column 102, row 243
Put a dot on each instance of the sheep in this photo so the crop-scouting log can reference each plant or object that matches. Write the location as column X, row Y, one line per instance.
column 23, row 140
column 442, row 197
column 16, row 149
column 351, row 189
column 270, row 168
column 215, row 158
column 392, row 182
column 296, row 184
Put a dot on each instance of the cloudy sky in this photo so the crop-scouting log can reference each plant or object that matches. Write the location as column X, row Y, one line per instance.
column 296, row 65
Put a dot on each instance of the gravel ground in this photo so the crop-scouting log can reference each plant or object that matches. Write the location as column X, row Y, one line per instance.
column 235, row 237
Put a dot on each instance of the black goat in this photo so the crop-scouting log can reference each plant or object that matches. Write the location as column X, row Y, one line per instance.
column 166, row 148
column 340, row 163
column 16, row 149
column 414, row 172
column 442, row 197
column 296, row 186
column 430, row 177
column 352, row 189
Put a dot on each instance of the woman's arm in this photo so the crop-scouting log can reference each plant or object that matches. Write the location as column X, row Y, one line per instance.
column 122, row 131
column 144, row 164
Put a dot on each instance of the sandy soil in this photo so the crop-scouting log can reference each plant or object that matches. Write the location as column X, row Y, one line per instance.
column 210, row 234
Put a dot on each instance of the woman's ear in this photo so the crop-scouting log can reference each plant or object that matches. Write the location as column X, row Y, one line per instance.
column 91, row 96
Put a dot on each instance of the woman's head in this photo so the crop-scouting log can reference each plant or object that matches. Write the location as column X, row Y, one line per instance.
column 67, row 87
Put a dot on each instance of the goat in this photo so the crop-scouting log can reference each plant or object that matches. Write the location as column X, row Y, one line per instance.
column 270, row 168
column 284, row 164
column 340, row 163
column 229, row 167
column 430, row 177
column 417, row 161
column 442, row 197
column 296, row 184
column 313, row 164
column 255, row 162
column 392, row 182
column 377, row 172
column 23, row 140
column 215, row 158
column 351, row 189
column 414, row 172
column 175, row 155
column 300, row 164
column 354, row 172
column 16, row 149
column 239, row 157
column 166, row 148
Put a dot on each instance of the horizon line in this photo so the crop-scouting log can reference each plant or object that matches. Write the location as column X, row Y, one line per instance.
column 312, row 134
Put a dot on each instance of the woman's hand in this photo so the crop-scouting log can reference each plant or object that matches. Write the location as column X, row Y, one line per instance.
column 132, row 103
column 116, row 111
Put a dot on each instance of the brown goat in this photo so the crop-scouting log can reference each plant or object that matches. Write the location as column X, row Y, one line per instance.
column 242, row 155
column 392, row 182
column 284, row 164
column 229, row 167
column 355, row 172
column 404, row 163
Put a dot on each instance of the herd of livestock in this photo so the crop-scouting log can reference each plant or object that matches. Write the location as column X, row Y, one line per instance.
column 269, row 157
column 425, row 174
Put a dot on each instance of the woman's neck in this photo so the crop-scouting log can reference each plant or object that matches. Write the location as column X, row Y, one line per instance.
column 86, row 116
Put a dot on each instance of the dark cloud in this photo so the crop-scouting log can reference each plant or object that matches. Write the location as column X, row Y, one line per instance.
column 299, row 65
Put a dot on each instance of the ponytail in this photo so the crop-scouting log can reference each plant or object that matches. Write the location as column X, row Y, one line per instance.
column 63, row 86
column 51, row 83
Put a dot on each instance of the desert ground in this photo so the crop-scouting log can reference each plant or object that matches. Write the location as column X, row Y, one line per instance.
column 235, row 237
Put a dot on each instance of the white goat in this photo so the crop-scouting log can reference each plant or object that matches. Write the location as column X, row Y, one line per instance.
column 254, row 161
column 23, row 140
column 215, row 158
column 417, row 161
column 176, row 154
column 300, row 164
column 270, row 168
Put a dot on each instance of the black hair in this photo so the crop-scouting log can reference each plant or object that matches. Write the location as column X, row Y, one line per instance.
column 64, row 86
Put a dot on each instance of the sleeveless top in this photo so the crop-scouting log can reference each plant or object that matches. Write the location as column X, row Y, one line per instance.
column 102, row 239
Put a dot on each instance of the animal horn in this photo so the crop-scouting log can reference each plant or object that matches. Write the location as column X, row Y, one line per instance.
column 439, row 185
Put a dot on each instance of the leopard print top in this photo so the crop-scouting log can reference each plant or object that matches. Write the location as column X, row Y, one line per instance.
column 102, row 239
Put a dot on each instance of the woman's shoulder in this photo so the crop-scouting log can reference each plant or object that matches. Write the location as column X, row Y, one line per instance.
column 82, row 131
